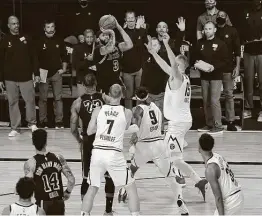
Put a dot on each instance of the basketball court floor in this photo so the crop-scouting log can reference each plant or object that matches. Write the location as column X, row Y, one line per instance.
column 243, row 151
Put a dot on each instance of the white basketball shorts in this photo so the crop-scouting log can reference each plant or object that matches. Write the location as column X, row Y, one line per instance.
column 111, row 161
column 175, row 137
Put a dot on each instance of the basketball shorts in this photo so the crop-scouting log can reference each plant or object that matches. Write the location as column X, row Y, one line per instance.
column 155, row 151
column 52, row 207
column 175, row 137
column 233, row 204
column 86, row 154
column 111, row 161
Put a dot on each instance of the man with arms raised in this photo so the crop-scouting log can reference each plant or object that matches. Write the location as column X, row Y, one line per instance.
column 177, row 109
column 110, row 122
column 228, row 194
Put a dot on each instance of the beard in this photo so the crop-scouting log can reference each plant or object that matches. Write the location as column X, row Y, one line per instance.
column 209, row 6
column 50, row 34
column 83, row 3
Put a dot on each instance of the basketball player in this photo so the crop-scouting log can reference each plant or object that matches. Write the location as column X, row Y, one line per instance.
column 25, row 188
column 227, row 191
column 46, row 168
column 109, row 55
column 83, row 107
column 109, row 122
column 149, row 145
column 177, row 109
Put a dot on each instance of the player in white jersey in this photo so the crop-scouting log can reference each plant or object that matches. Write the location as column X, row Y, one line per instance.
column 24, row 206
column 227, row 191
column 110, row 122
column 177, row 109
column 149, row 145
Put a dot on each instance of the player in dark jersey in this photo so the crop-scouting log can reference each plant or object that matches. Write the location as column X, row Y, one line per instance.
column 46, row 168
column 108, row 57
column 83, row 107
column 25, row 188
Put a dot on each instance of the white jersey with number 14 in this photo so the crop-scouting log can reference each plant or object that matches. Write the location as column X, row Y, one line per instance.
column 177, row 102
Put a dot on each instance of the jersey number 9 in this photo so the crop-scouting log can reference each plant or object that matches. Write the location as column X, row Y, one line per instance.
column 153, row 118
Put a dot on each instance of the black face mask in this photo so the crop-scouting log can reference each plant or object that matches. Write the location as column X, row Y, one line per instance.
column 83, row 3
column 221, row 21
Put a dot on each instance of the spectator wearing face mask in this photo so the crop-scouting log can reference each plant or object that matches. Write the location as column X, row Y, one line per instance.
column 53, row 60
column 229, row 35
column 209, row 15
column 83, row 59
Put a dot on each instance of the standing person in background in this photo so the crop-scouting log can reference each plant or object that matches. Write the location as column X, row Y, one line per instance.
column 153, row 76
column 229, row 35
column 213, row 51
column 209, row 15
column 132, row 59
column 25, row 188
column 18, row 63
column 83, row 59
column 253, row 57
column 53, row 61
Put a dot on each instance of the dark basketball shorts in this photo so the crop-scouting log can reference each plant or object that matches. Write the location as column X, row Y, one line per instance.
column 52, row 207
column 86, row 154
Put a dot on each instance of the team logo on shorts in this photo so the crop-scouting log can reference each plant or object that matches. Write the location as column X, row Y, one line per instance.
column 172, row 146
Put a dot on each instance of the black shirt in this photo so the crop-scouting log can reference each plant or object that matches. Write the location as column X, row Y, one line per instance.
column 215, row 53
column 18, row 60
column 88, row 103
column 51, row 52
column 80, row 63
column 108, row 68
column 252, row 30
column 132, row 59
column 229, row 35
column 48, row 178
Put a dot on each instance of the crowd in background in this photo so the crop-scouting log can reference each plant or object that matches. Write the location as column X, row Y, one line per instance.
column 128, row 63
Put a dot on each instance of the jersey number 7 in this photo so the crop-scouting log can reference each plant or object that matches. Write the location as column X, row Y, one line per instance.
column 111, row 123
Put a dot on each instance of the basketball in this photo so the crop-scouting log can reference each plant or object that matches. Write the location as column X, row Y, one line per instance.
column 107, row 22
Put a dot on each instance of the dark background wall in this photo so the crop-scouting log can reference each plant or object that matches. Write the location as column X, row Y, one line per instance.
column 33, row 12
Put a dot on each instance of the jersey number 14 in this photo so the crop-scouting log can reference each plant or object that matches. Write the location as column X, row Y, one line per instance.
column 51, row 183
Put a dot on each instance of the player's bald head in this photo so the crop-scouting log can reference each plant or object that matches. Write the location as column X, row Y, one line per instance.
column 115, row 91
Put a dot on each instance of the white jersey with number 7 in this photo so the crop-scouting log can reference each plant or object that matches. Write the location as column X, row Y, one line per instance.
column 177, row 102
column 111, row 126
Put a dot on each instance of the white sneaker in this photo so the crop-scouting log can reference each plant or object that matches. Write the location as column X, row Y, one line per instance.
column 33, row 127
column 182, row 207
column 259, row 119
column 13, row 133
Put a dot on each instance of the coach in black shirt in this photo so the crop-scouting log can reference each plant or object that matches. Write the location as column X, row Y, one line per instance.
column 252, row 57
column 230, row 36
column 53, row 59
column 83, row 59
column 132, row 59
column 213, row 51
column 18, row 63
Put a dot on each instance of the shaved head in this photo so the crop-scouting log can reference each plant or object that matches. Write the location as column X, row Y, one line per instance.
column 162, row 28
column 13, row 25
column 115, row 91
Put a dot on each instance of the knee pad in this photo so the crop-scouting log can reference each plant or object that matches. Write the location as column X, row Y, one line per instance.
column 84, row 187
column 109, row 186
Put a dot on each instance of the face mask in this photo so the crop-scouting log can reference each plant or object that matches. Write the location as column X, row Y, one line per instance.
column 221, row 21
column 210, row 6
column 83, row 3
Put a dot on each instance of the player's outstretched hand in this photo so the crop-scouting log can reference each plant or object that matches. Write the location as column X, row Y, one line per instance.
column 149, row 45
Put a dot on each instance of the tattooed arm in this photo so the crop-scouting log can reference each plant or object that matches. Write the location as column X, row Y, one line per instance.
column 137, row 116
column 68, row 174
column 74, row 120
column 212, row 176
column 110, row 46
column 29, row 167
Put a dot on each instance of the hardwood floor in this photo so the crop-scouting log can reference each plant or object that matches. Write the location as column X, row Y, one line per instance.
column 242, row 150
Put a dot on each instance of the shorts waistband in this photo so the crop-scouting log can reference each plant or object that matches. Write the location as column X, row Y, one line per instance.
column 107, row 148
